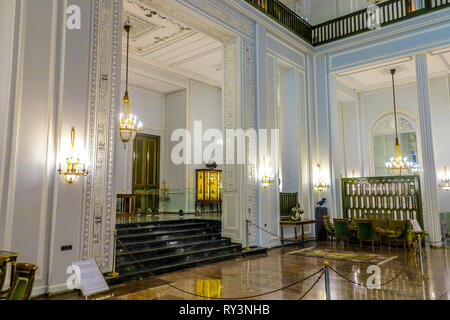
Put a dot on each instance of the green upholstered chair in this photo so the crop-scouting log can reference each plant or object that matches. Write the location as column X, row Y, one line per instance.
column 353, row 223
column 341, row 231
column 399, row 232
column 366, row 232
column 3, row 270
column 23, row 282
column 328, row 227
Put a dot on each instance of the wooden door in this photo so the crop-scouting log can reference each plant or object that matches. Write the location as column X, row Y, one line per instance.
column 146, row 153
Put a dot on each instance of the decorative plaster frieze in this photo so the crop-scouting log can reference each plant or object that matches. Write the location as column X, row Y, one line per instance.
column 225, row 14
column 98, row 221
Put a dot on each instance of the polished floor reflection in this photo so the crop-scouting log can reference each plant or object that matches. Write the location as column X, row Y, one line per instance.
column 256, row 275
column 259, row 274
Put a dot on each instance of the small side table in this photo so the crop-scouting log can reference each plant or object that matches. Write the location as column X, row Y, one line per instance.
column 295, row 224
column 13, row 260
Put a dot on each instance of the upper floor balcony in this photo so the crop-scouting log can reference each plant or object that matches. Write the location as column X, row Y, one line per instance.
column 342, row 18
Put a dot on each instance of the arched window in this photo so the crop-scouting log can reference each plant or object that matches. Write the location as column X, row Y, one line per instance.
column 383, row 140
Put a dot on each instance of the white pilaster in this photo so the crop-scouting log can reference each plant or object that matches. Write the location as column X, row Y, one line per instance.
column 431, row 214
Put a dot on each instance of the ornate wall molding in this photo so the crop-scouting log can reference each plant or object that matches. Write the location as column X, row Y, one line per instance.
column 249, row 121
column 98, row 219
column 168, row 9
column 226, row 15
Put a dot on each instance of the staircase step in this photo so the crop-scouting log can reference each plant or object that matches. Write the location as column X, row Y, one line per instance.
column 160, row 223
column 171, row 267
column 160, row 234
column 165, row 248
column 253, row 251
column 131, row 245
column 150, row 227
column 172, row 256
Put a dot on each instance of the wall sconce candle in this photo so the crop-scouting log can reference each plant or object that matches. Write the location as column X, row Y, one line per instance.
column 445, row 180
column 320, row 184
column 73, row 168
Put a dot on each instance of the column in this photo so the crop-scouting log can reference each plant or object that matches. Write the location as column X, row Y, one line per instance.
column 431, row 214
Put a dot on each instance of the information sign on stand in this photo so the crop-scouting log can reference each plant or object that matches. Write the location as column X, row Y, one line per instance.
column 89, row 277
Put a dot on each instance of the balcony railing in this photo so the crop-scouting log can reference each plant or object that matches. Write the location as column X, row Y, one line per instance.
column 285, row 16
column 388, row 12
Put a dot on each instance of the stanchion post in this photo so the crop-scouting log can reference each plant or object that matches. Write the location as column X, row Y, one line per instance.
column 114, row 273
column 247, row 248
column 327, row 280
column 419, row 237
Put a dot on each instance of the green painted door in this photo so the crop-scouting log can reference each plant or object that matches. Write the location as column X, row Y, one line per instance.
column 146, row 153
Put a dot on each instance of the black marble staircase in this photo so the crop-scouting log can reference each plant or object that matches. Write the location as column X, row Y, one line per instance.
column 159, row 247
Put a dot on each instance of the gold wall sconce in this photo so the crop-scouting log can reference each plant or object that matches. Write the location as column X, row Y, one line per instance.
column 320, row 184
column 72, row 169
column 267, row 177
column 445, row 180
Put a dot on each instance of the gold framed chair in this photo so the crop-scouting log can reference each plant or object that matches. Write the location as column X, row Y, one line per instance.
column 3, row 270
column 23, row 282
column 399, row 232
column 329, row 228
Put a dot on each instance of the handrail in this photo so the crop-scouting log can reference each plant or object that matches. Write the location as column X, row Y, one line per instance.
column 285, row 16
column 356, row 22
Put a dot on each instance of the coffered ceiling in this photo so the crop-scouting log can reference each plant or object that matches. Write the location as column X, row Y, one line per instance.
column 161, row 40
column 378, row 76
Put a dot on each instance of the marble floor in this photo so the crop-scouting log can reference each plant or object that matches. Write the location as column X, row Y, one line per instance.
column 262, row 273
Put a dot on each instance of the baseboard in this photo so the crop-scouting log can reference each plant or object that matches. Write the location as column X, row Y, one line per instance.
column 54, row 289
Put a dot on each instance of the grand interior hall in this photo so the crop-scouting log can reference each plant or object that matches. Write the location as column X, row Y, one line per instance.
column 224, row 150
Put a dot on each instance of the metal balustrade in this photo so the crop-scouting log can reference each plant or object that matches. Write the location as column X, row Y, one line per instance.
column 285, row 16
column 360, row 21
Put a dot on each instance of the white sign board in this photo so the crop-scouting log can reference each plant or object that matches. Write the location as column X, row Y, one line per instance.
column 89, row 276
column 415, row 225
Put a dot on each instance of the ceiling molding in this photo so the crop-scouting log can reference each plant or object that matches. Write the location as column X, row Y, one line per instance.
column 166, row 37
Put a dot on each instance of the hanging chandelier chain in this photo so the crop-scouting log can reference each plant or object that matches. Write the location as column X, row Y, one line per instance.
column 397, row 164
column 395, row 105
column 127, row 28
column 128, row 127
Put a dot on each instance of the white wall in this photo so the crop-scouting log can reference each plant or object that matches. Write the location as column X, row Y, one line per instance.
column 285, row 108
column 289, row 129
column 376, row 103
column 7, row 14
column 176, row 174
column 205, row 106
column 49, row 87
column 440, row 119
column 326, row 10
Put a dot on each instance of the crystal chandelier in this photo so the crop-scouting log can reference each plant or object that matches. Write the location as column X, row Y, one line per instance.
column 445, row 181
column 127, row 125
column 397, row 164
column 320, row 185
column 72, row 169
